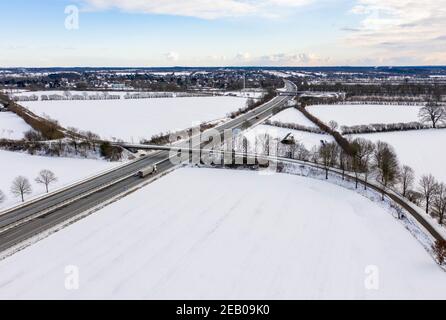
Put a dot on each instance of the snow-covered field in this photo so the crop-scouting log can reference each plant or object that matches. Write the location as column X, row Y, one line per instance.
column 12, row 126
column 132, row 120
column 308, row 139
column 423, row 150
column 67, row 170
column 291, row 115
column 247, row 237
column 352, row 115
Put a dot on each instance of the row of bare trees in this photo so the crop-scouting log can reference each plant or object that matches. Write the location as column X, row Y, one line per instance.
column 433, row 112
column 380, row 160
column 21, row 186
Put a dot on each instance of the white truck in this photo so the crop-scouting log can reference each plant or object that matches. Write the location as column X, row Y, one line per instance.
column 147, row 171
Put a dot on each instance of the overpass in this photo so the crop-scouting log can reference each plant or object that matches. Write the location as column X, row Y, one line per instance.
column 290, row 93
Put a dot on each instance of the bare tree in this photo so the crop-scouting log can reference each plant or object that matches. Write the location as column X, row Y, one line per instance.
column 32, row 135
column 343, row 162
column 355, row 161
column 92, row 138
column 361, row 160
column 46, row 177
column 265, row 144
column 439, row 249
column 433, row 112
column 428, row 187
column 386, row 162
column 250, row 103
column 314, row 154
column 73, row 137
column 439, row 202
column 366, row 150
column 2, row 196
column 21, row 187
column 407, row 178
column 328, row 153
column 300, row 152
column 333, row 125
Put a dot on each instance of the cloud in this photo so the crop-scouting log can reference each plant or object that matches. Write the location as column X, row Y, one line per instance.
column 414, row 27
column 406, row 21
column 243, row 56
column 204, row 9
column 172, row 56
column 281, row 59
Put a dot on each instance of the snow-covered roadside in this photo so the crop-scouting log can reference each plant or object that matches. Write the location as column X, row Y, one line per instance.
column 247, row 237
column 67, row 170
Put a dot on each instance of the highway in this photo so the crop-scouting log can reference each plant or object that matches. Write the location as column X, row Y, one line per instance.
column 34, row 217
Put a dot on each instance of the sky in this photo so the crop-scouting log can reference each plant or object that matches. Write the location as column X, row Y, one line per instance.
column 163, row 33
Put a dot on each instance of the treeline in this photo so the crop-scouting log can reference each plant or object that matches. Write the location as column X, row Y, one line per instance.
column 388, row 100
column 294, row 126
column 383, row 89
column 387, row 127
column 367, row 100
column 62, row 148
column 306, row 100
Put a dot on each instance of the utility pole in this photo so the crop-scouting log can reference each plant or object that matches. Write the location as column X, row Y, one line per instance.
column 244, row 81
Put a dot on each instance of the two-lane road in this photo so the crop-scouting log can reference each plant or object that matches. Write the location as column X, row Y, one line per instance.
column 24, row 222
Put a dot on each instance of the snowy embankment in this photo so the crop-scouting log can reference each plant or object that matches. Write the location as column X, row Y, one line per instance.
column 352, row 115
column 12, row 127
column 292, row 115
column 423, row 150
column 270, row 237
column 308, row 139
column 133, row 120
column 67, row 170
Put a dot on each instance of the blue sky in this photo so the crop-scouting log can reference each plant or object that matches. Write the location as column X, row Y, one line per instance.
column 222, row 32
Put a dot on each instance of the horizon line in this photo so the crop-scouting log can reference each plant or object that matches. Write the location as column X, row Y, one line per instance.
column 218, row 67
